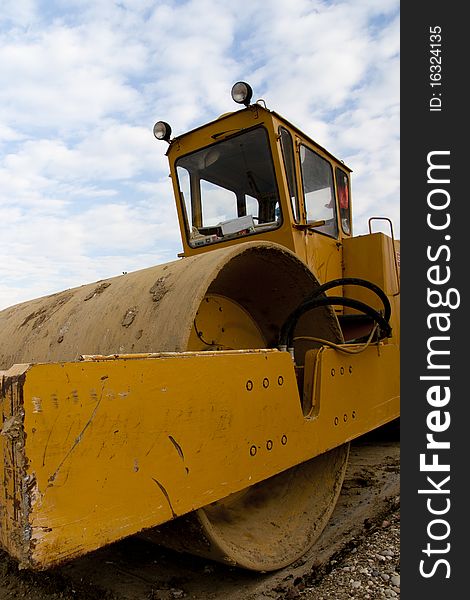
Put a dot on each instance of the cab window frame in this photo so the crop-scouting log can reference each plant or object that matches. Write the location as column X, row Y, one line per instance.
column 290, row 172
column 339, row 170
column 332, row 187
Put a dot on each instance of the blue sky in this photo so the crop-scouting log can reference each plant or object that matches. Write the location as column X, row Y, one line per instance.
column 84, row 187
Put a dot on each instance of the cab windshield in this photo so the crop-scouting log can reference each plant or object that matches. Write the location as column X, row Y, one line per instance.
column 229, row 189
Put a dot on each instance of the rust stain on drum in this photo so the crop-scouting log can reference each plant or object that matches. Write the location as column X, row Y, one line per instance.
column 37, row 313
column 98, row 290
column 158, row 289
column 129, row 316
column 45, row 312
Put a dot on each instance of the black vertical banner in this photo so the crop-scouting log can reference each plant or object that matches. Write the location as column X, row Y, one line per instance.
column 435, row 237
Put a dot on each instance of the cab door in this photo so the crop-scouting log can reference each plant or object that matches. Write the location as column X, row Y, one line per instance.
column 322, row 237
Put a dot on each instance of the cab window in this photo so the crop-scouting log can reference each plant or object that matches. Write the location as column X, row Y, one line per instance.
column 342, row 187
column 229, row 189
column 318, row 191
column 289, row 165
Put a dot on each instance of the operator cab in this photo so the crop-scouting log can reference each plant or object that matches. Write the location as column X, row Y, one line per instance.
column 252, row 175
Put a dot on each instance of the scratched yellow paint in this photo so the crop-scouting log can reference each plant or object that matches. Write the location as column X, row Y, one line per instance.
column 116, row 446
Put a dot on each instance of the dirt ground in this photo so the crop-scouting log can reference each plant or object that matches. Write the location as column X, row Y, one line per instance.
column 135, row 569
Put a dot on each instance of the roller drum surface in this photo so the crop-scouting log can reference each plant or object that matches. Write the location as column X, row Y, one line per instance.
column 230, row 298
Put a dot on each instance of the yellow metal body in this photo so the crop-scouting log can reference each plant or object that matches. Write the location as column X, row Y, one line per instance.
column 101, row 449
column 98, row 449
column 374, row 257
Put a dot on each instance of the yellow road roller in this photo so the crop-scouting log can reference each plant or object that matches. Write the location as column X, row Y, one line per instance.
column 208, row 403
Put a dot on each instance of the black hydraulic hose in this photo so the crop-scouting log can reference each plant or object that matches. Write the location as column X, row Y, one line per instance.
column 313, row 301
column 287, row 330
column 354, row 281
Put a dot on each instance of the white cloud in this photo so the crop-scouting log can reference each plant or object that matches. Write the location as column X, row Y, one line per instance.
column 17, row 12
column 65, row 78
column 84, row 186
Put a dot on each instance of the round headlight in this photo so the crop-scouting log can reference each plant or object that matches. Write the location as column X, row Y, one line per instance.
column 162, row 131
column 242, row 93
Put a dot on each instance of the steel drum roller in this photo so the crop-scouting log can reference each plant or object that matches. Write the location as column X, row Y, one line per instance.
column 236, row 297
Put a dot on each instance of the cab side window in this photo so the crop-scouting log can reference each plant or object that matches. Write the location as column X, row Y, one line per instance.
column 289, row 165
column 319, row 193
column 342, row 187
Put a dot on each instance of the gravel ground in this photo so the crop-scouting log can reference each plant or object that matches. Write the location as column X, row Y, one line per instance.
column 369, row 568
